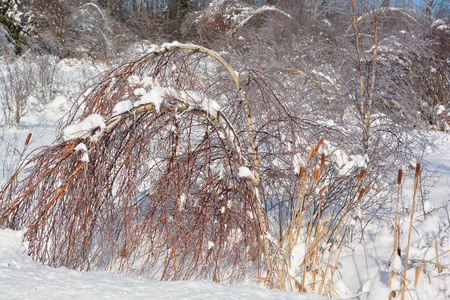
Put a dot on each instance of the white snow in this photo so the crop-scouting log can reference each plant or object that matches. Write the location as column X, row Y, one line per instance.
column 84, row 128
column 146, row 82
column 23, row 278
column 134, row 80
column 155, row 97
column 210, row 245
column 298, row 254
column 211, row 107
column 298, row 162
column 139, row 92
column 181, row 202
column 82, row 147
column 245, row 172
column 440, row 109
column 121, row 107
column 396, row 264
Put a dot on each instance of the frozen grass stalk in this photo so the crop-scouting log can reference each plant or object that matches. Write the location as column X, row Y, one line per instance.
column 416, row 183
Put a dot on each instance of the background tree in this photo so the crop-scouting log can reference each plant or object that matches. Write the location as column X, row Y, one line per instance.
column 18, row 24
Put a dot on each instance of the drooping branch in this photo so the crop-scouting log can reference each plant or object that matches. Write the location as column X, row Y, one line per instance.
column 149, row 171
column 147, row 177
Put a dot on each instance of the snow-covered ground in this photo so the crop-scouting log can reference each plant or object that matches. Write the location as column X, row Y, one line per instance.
column 364, row 264
column 23, row 278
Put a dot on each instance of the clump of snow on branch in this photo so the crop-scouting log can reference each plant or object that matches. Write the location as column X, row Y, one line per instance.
column 155, row 97
column 85, row 128
column 122, row 106
column 245, row 172
column 82, row 147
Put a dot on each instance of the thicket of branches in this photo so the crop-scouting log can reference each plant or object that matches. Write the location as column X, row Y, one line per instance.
column 161, row 187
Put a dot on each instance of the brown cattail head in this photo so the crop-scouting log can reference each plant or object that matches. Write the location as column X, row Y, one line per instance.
column 400, row 174
column 316, row 174
column 318, row 145
column 322, row 160
column 416, row 177
column 28, row 139
column 361, row 174
column 361, row 193
column 300, row 173
column 323, row 190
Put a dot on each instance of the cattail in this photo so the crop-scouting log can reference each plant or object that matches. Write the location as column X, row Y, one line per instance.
column 28, row 139
column 361, row 193
column 318, row 145
column 322, row 160
column 400, row 173
column 361, row 174
column 323, row 189
column 300, row 173
column 316, row 174
column 416, row 177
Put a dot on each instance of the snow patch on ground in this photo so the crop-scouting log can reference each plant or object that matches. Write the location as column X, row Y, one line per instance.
column 23, row 278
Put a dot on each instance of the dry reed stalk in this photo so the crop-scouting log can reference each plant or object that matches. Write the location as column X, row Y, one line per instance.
column 419, row 268
column 337, row 228
column 416, row 183
column 312, row 253
column 316, row 174
column 437, row 255
column 294, row 217
column 363, row 189
column 174, row 264
column 316, row 178
column 298, row 215
column 318, row 145
column 298, row 207
column 266, row 249
column 396, row 225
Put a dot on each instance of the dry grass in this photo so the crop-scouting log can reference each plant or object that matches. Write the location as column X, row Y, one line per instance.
column 416, row 183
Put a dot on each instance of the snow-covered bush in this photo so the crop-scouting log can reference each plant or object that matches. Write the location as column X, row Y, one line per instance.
column 68, row 29
column 178, row 166
column 167, row 165
column 16, row 88
column 26, row 84
column 171, row 197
